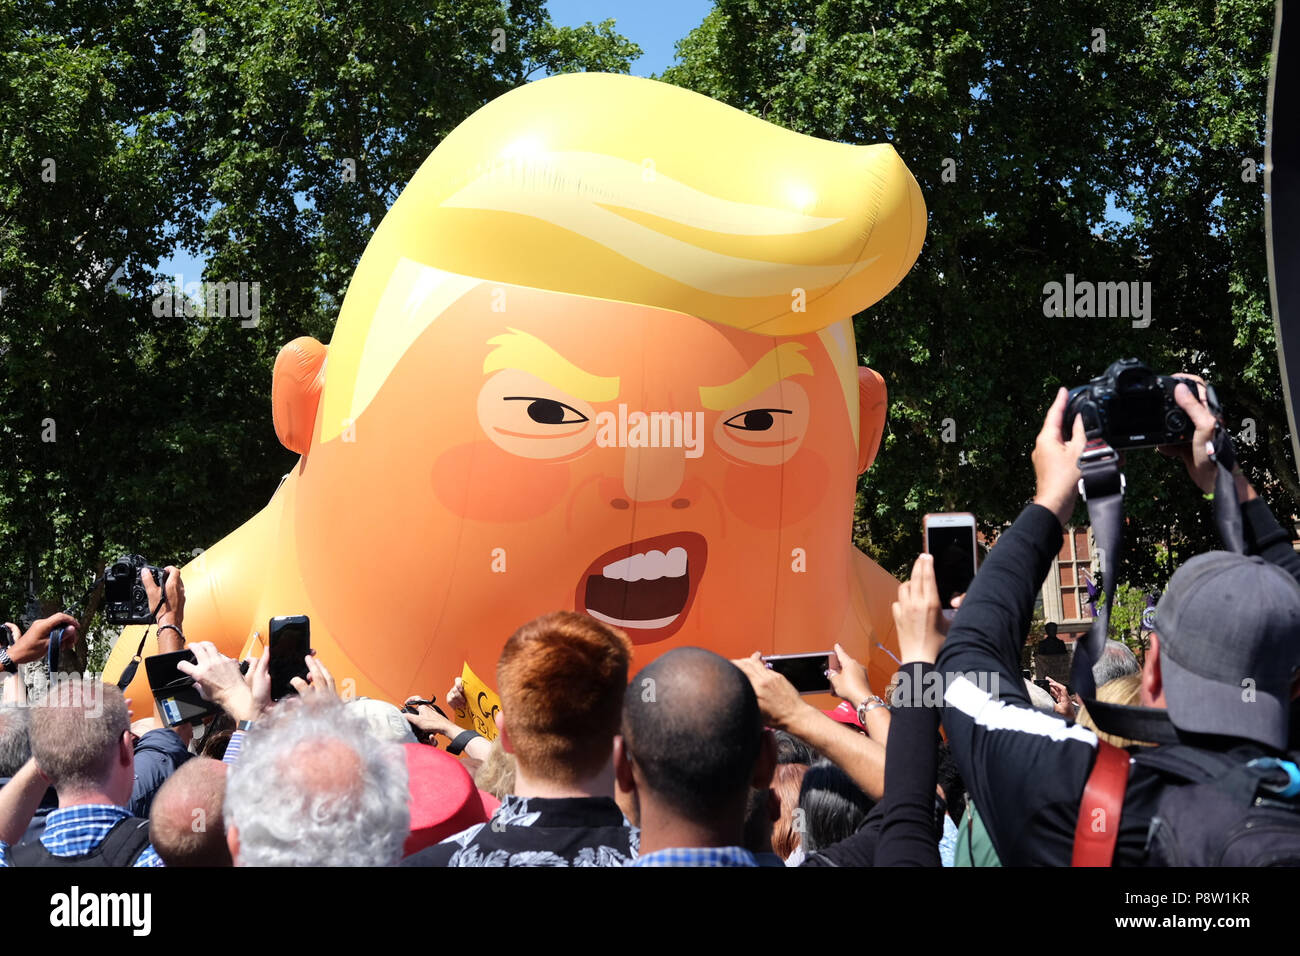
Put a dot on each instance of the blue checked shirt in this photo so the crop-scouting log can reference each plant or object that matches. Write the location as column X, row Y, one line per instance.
column 698, row 856
column 75, row 831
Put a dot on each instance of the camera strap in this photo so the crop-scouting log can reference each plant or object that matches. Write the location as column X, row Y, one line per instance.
column 1102, row 487
column 1227, row 509
column 129, row 672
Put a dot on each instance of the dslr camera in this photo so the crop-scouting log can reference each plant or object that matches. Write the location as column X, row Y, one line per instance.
column 125, row 601
column 1134, row 407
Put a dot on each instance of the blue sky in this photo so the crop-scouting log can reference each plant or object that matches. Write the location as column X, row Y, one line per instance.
column 654, row 26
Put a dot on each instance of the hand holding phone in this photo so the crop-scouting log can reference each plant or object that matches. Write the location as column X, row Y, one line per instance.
column 809, row 673
column 918, row 616
column 950, row 541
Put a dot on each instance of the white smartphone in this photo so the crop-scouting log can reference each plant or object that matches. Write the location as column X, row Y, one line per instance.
column 950, row 540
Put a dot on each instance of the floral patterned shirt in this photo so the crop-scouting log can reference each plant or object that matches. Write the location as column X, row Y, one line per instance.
column 537, row 831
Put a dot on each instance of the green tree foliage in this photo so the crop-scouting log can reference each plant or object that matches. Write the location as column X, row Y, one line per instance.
column 1023, row 122
column 1126, row 618
column 132, row 125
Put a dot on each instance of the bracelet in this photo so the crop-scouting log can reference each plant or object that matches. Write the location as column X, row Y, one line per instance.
column 867, row 706
column 462, row 739
column 173, row 627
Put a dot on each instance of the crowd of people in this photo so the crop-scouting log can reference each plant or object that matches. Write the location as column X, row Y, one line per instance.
column 1186, row 757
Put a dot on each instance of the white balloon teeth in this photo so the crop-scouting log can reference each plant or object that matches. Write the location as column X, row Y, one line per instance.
column 648, row 566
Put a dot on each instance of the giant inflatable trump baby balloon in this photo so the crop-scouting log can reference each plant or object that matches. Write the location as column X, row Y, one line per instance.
column 599, row 355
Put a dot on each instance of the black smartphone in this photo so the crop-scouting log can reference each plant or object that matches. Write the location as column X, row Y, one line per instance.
column 289, row 644
column 950, row 540
column 807, row 672
column 1044, row 683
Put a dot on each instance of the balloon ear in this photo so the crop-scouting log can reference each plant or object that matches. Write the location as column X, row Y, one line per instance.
column 873, row 400
column 296, row 385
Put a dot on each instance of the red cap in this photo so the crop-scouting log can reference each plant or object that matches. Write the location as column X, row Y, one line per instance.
column 845, row 713
column 444, row 800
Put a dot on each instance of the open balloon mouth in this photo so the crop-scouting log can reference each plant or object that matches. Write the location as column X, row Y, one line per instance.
column 646, row 587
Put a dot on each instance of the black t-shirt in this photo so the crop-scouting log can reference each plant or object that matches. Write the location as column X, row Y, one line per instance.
column 537, row 831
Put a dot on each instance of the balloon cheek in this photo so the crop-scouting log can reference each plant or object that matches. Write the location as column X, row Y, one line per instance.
column 771, row 498
column 481, row 482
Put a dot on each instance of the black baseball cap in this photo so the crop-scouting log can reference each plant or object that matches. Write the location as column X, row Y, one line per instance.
column 1229, row 631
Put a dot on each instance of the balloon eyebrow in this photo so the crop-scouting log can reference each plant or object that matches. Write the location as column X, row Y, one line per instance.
column 527, row 353
column 779, row 363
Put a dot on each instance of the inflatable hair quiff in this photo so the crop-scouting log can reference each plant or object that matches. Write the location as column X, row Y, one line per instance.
column 628, row 189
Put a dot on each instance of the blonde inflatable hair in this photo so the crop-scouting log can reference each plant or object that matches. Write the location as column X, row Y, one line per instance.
column 632, row 190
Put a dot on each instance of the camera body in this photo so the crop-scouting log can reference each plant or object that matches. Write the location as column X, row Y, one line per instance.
column 125, row 601
column 1135, row 406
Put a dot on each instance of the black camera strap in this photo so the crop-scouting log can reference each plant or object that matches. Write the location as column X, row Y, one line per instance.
column 1102, row 487
column 129, row 672
column 1227, row 509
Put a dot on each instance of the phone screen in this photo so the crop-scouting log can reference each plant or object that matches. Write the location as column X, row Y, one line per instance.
column 953, row 550
column 807, row 672
column 290, row 643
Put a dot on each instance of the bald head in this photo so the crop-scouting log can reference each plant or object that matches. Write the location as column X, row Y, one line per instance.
column 691, row 724
column 327, row 769
column 185, row 825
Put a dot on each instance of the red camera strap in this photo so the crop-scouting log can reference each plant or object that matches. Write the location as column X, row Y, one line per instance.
column 1097, row 829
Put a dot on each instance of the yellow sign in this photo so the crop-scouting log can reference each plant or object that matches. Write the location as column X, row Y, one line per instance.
column 481, row 706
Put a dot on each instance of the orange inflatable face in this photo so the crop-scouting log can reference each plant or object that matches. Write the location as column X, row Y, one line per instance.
column 527, row 451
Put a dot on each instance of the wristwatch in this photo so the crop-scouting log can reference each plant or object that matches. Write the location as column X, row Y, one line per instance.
column 867, row 706
column 462, row 739
column 6, row 662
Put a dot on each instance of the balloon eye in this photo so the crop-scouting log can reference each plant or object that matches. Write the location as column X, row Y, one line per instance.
column 547, row 411
column 756, row 419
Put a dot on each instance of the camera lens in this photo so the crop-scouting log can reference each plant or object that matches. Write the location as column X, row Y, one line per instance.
column 1176, row 421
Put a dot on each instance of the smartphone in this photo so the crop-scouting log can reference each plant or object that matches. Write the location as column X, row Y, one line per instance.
column 178, row 700
column 807, row 672
column 289, row 644
column 950, row 540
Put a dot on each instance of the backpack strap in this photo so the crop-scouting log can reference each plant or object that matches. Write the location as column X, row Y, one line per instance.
column 123, row 844
column 1188, row 764
column 1103, row 795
